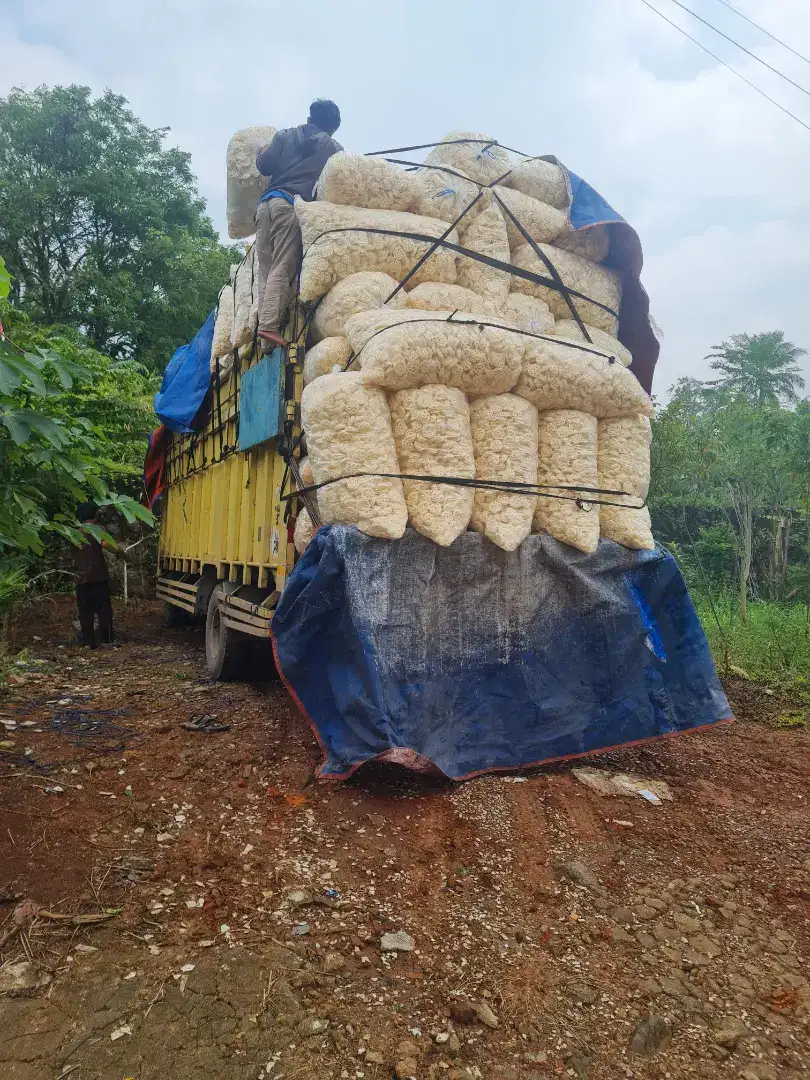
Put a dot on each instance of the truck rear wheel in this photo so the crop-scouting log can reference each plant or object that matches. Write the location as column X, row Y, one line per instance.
column 226, row 650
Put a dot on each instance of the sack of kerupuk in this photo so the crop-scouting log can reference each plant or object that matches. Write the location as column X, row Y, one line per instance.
column 569, row 328
column 245, row 184
column 245, row 287
column 370, row 182
column 567, row 459
column 348, row 428
column 504, row 436
column 542, row 180
column 623, row 456
column 486, row 236
column 401, row 350
column 323, row 358
column 542, row 222
column 431, row 428
column 447, row 194
column 357, row 292
column 343, row 240
column 476, row 155
column 601, row 286
column 567, row 374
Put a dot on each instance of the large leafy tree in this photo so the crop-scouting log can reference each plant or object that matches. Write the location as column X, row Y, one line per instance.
column 101, row 226
column 759, row 367
column 72, row 424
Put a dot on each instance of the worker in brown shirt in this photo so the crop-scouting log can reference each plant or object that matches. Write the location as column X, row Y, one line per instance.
column 294, row 160
column 93, row 582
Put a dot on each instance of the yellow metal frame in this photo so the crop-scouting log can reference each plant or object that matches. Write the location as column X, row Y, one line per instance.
column 223, row 509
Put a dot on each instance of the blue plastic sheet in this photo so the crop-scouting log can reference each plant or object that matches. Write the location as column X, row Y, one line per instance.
column 186, row 380
column 472, row 659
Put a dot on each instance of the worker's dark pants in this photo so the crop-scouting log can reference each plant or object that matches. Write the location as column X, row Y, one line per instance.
column 94, row 599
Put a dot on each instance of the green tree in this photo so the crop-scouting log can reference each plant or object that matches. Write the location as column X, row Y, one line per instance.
column 761, row 368
column 51, row 456
column 102, row 226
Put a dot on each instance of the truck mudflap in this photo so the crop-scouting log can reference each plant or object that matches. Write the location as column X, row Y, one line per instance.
column 469, row 659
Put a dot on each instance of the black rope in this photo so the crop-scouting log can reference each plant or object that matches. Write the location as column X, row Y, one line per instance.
column 552, row 269
column 473, row 320
column 486, row 143
column 488, row 260
column 516, row 487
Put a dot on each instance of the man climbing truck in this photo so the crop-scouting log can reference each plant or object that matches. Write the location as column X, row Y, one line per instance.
column 458, row 572
column 292, row 163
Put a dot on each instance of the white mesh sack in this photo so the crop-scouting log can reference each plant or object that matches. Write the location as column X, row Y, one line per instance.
column 569, row 375
column 542, row 180
column 542, row 222
column 357, row 292
column 568, row 328
column 624, row 465
column 245, row 184
column 567, row 456
column 331, row 256
column 472, row 153
column 304, row 530
column 401, row 350
column 435, row 296
column 305, row 470
column 320, row 359
column 221, row 342
column 527, row 313
column 504, row 434
column 592, row 243
column 596, row 282
column 487, row 236
column 348, row 428
column 371, row 182
column 245, row 288
column 432, row 434
column 446, row 195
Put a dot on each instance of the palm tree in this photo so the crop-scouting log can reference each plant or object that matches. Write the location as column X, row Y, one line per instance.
column 760, row 367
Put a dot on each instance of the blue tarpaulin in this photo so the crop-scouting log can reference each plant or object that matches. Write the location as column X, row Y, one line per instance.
column 472, row 659
column 186, row 380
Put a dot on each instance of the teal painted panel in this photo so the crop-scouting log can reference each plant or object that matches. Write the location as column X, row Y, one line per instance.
column 261, row 400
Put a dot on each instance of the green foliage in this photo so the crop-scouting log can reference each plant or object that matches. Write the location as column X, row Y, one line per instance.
column 773, row 647
column 730, row 487
column 102, row 227
column 761, row 368
column 51, row 456
column 5, row 280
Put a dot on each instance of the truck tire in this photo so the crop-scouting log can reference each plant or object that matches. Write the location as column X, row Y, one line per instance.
column 226, row 650
column 174, row 616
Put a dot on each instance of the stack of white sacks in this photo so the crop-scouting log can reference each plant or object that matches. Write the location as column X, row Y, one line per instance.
column 441, row 381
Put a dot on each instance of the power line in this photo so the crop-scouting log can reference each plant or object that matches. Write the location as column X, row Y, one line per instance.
column 734, row 71
column 748, row 52
column 762, row 30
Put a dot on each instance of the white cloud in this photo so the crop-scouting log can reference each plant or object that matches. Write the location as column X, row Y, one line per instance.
column 713, row 177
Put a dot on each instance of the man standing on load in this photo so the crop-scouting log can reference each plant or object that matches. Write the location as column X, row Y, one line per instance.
column 294, row 160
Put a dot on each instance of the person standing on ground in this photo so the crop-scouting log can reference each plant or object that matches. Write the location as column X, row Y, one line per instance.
column 294, row 160
column 93, row 582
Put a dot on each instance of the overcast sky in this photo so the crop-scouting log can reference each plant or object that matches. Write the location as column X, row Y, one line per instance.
column 714, row 178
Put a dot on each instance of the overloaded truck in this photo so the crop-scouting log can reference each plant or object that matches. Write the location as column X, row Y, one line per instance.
column 429, row 511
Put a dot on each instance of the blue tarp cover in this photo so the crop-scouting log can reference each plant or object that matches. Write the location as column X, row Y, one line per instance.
column 473, row 659
column 186, row 380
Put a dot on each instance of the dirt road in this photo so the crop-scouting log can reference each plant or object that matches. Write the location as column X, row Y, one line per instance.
column 542, row 930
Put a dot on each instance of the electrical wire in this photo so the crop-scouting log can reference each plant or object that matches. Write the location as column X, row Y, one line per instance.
column 748, row 52
column 762, row 30
column 719, row 60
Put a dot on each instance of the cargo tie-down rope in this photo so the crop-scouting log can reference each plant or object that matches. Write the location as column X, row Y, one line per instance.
column 554, row 282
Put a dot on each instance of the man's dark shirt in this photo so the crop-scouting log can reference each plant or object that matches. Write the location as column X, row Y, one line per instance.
column 295, row 159
column 89, row 562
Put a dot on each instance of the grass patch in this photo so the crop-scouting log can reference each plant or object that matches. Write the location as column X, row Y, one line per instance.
column 773, row 648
